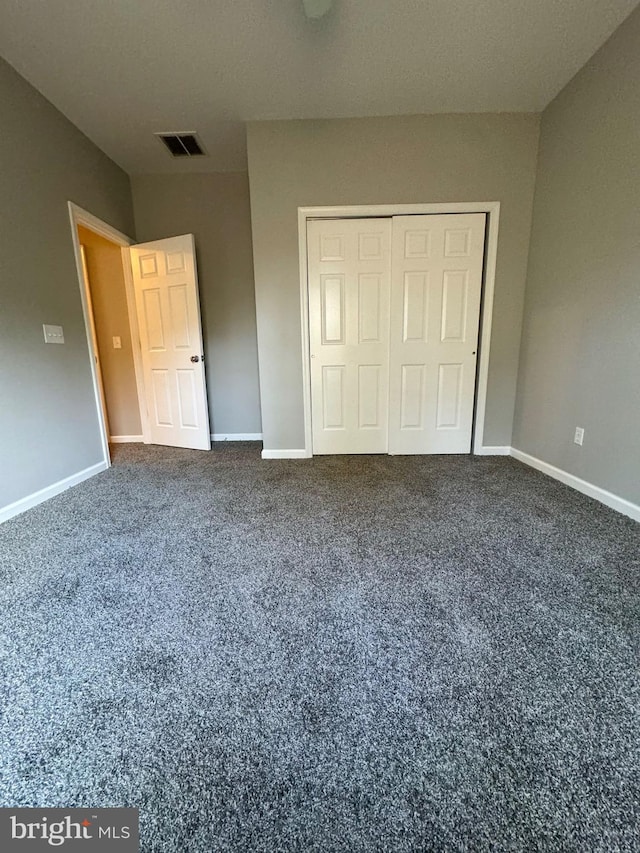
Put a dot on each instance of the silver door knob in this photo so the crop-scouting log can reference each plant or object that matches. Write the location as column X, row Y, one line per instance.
column 195, row 359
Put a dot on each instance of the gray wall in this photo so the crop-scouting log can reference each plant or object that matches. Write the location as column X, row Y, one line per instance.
column 580, row 361
column 215, row 208
column 48, row 419
column 111, row 317
column 383, row 161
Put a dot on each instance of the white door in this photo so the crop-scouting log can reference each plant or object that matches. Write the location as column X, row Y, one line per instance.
column 168, row 310
column 435, row 310
column 349, row 277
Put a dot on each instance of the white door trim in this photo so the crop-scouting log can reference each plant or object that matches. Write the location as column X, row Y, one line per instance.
column 492, row 208
column 79, row 216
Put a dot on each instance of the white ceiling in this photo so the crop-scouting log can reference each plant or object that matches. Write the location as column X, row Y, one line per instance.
column 122, row 69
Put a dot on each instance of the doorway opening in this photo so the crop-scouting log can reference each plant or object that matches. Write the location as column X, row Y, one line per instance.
column 104, row 274
column 107, row 300
column 144, row 333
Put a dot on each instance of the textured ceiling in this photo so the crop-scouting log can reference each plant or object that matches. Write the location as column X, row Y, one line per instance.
column 123, row 69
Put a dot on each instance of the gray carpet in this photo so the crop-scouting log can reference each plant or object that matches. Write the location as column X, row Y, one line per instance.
column 338, row 654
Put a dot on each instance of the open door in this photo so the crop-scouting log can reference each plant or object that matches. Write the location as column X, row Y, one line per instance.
column 168, row 311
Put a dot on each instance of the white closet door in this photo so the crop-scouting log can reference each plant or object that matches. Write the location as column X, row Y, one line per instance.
column 349, row 280
column 435, row 310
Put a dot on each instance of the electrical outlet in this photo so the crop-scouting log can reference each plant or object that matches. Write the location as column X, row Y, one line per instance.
column 578, row 438
column 53, row 334
column 117, row 343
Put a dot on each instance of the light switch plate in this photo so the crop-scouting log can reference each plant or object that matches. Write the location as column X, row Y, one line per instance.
column 53, row 334
column 117, row 343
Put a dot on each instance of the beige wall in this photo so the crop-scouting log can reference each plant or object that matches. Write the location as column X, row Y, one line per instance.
column 414, row 159
column 111, row 317
column 215, row 209
column 580, row 361
column 48, row 416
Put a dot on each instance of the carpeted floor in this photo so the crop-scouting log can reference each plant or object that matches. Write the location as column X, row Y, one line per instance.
column 337, row 654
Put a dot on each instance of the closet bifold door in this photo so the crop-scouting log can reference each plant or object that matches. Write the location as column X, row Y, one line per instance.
column 436, row 286
column 349, row 271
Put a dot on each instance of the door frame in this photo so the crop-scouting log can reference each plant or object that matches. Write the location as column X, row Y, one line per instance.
column 79, row 216
column 94, row 335
column 364, row 211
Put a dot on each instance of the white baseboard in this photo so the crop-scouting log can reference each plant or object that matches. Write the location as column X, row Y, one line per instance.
column 302, row 454
column 236, row 436
column 7, row 512
column 608, row 498
column 285, row 454
column 126, row 439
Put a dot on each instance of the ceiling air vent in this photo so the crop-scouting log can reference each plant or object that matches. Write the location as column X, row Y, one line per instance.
column 182, row 144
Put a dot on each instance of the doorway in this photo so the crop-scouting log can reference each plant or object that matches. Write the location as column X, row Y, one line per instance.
column 452, row 374
column 111, row 333
column 142, row 318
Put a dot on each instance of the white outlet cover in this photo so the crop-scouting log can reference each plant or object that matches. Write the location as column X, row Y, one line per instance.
column 117, row 343
column 53, row 334
column 578, row 438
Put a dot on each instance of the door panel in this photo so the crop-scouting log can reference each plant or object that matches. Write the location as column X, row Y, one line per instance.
column 179, row 308
column 435, row 310
column 449, row 400
column 370, row 414
column 332, row 287
column 349, row 280
column 161, row 397
column 454, row 306
column 333, row 396
column 411, row 403
column 153, row 319
column 168, row 310
column 414, row 307
column 369, row 286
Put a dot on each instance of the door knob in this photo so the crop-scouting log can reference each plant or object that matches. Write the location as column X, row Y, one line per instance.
column 195, row 359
